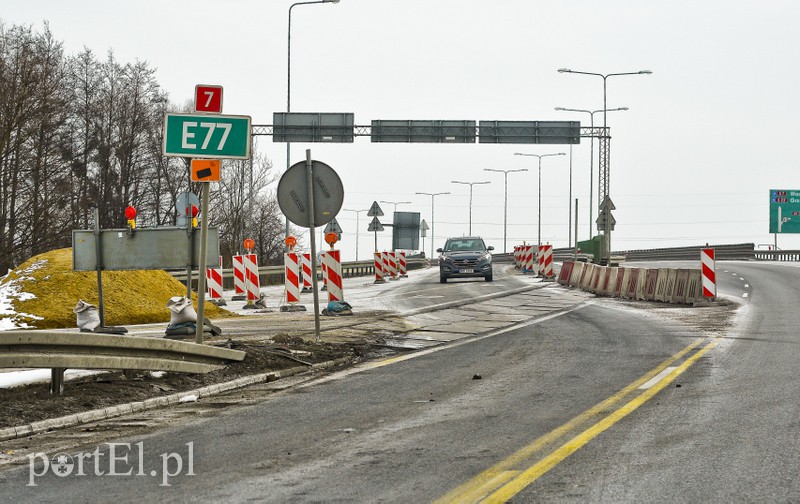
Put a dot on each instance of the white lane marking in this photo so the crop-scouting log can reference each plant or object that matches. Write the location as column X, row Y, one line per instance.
column 735, row 274
column 746, row 286
column 657, row 378
column 742, row 279
column 744, row 295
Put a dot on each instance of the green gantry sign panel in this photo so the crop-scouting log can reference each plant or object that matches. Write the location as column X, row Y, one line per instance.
column 784, row 211
column 207, row 136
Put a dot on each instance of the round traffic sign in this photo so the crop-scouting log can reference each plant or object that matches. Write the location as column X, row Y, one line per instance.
column 249, row 244
column 293, row 194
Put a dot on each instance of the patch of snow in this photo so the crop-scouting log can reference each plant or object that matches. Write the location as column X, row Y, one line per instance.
column 11, row 290
column 13, row 379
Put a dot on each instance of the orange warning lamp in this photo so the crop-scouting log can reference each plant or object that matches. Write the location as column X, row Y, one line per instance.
column 195, row 211
column 130, row 214
column 331, row 238
column 290, row 242
column 249, row 244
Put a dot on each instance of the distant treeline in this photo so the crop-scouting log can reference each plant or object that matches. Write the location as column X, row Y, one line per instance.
column 78, row 133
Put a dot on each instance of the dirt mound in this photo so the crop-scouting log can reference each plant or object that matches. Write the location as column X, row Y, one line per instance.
column 130, row 297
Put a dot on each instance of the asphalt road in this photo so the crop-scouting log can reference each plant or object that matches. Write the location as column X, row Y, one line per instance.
column 600, row 401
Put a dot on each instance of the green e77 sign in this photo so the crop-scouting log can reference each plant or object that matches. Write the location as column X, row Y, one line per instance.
column 784, row 211
column 205, row 135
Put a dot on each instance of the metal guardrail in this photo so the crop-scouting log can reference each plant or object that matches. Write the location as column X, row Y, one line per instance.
column 777, row 255
column 59, row 350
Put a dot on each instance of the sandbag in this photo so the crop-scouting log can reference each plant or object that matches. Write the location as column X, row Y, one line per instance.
column 181, row 310
column 88, row 316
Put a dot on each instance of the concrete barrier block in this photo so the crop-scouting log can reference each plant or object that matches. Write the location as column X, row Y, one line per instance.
column 577, row 272
column 679, row 291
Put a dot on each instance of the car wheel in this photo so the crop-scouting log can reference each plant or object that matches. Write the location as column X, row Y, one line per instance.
column 489, row 277
column 442, row 279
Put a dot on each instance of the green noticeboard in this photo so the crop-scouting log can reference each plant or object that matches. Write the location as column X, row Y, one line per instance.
column 206, row 135
column 784, row 211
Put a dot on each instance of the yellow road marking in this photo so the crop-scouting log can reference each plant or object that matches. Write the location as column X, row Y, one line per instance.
column 466, row 491
column 531, row 474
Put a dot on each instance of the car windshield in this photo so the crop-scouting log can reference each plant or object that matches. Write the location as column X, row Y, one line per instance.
column 466, row 245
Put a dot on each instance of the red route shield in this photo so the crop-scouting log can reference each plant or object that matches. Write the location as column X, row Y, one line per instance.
column 208, row 98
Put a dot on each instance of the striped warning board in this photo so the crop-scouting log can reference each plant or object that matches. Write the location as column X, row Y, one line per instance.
column 709, row 268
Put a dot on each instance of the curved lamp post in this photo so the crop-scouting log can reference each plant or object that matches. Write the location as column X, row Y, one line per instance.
column 591, row 159
column 432, row 195
column 540, row 156
column 605, row 189
column 470, row 184
column 505, row 199
column 289, row 78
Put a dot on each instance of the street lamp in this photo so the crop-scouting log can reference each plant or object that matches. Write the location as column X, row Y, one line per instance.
column 289, row 80
column 357, row 212
column 395, row 203
column 432, row 195
column 591, row 161
column 470, row 184
column 605, row 188
column 540, row 156
column 505, row 199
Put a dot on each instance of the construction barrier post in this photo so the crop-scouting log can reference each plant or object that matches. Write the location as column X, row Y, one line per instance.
column 238, row 278
column 252, row 283
column 708, row 265
column 402, row 267
column 379, row 268
column 306, row 257
column 546, row 263
column 333, row 261
column 292, row 267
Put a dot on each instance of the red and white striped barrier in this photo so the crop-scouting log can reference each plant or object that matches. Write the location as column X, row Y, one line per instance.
column 291, row 263
column 332, row 260
column 529, row 260
column 323, row 266
column 402, row 267
column 379, row 273
column 539, row 260
column 238, row 275
column 708, row 265
column 516, row 256
column 546, row 261
column 251, row 277
column 214, row 281
column 392, row 265
column 306, row 262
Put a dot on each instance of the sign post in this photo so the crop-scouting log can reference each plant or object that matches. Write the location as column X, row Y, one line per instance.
column 311, row 194
column 207, row 134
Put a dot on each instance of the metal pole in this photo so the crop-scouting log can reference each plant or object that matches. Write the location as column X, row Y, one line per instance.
column 432, row 225
column 470, row 209
column 505, row 211
column 289, row 107
column 99, row 266
column 576, row 229
column 540, row 202
column 569, row 227
column 591, row 176
column 311, row 227
column 608, row 182
column 201, row 268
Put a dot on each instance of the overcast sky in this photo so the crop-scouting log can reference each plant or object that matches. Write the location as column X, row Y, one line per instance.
column 708, row 134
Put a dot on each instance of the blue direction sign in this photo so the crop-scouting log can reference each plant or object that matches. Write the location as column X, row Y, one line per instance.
column 784, row 211
column 207, row 136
